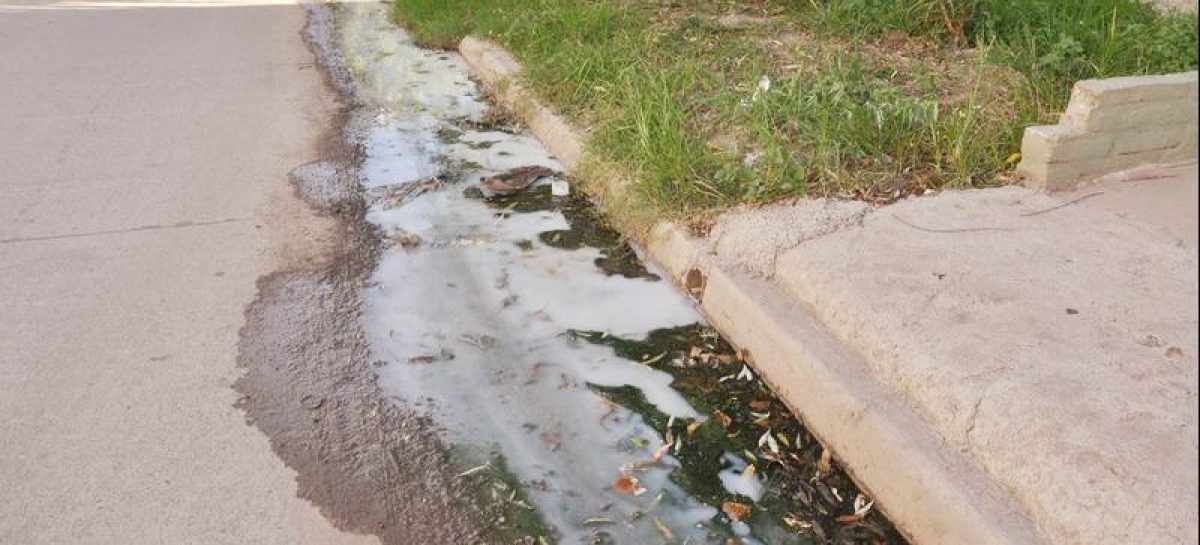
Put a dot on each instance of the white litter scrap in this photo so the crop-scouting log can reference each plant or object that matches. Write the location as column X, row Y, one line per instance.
column 764, row 85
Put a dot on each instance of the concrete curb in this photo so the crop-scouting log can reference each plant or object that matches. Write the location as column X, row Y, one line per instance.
column 931, row 492
column 500, row 72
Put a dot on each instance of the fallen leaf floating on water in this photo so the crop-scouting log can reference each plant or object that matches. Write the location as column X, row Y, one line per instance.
column 395, row 195
column 474, row 470
column 482, row 342
column 629, row 484
column 663, row 529
column 658, row 452
column 735, row 510
column 517, row 179
column 406, row 239
column 655, row 359
column 596, row 521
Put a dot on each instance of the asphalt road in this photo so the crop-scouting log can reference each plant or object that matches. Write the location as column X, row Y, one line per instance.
column 144, row 150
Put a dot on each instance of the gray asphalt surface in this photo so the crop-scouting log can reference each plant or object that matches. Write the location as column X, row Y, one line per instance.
column 144, row 151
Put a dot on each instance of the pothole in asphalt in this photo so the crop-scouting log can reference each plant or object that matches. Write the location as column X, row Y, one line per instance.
column 586, row 401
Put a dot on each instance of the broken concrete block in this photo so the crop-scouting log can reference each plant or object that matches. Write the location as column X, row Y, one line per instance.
column 1110, row 125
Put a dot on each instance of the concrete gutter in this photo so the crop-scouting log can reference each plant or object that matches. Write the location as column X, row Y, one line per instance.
column 933, row 493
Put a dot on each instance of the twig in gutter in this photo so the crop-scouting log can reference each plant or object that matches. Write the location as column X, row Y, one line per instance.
column 1063, row 205
column 474, row 470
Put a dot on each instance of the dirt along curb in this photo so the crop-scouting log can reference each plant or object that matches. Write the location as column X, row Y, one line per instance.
column 308, row 381
column 933, row 493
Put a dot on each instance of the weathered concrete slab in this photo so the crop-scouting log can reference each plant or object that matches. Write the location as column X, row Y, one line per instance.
column 1111, row 125
column 1056, row 348
column 1165, row 196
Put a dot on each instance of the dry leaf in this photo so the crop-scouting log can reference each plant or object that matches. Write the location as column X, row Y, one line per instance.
column 825, row 463
column 794, row 522
column 628, row 484
column 768, row 440
column 658, row 452
column 406, row 239
column 663, row 529
column 862, row 505
column 735, row 510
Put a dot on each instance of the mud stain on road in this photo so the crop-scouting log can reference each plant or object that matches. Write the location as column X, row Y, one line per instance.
column 370, row 466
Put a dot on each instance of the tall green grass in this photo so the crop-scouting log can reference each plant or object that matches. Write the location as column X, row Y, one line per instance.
column 671, row 95
column 1052, row 42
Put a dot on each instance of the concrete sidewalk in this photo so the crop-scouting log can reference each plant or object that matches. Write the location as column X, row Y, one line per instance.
column 1050, row 341
column 145, row 151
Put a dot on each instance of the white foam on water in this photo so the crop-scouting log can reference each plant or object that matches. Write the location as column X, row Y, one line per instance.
column 736, row 481
column 471, row 325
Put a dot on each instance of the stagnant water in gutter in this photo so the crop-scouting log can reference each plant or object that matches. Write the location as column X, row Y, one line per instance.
column 539, row 342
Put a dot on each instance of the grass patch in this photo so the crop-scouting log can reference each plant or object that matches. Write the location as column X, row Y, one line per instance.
column 709, row 104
